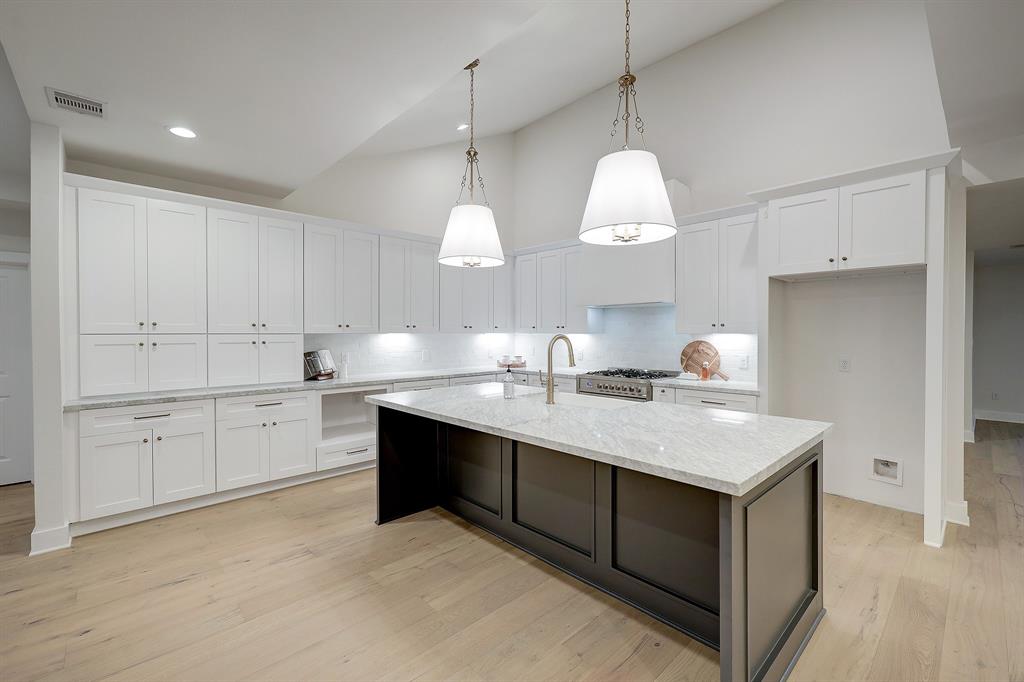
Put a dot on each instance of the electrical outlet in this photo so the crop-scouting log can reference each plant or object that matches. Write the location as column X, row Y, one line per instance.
column 579, row 354
column 844, row 364
column 995, row 396
column 744, row 362
column 425, row 355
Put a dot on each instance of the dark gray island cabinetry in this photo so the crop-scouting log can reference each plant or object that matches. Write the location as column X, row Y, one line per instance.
column 733, row 561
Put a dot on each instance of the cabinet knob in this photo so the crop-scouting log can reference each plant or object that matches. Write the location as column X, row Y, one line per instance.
column 153, row 323
column 346, row 326
column 145, row 440
column 154, row 344
column 263, row 342
column 712, row 324
column 844, row 257
column 141, row 344
column 831, row 260
column 264, row 324
column 159, row 437
column 274, row 424
column 339, row 325
column 406, row 326
column 414, row 326
column 722, row 324
column 254, row 324
column 142, row 324
column 263, row 424
column 254, row 343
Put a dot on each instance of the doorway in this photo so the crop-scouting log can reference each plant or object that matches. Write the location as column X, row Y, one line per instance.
column 15, row 370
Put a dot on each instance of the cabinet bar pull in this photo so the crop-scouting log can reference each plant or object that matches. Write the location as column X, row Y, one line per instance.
column 153, row 416
column 712, row 402
column 268, row 404
column 356, row 452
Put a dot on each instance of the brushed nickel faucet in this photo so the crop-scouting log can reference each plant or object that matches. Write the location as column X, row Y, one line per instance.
column 572, row 363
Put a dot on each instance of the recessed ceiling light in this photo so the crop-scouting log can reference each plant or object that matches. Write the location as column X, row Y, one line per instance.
column 182, row 132
column 462, row 126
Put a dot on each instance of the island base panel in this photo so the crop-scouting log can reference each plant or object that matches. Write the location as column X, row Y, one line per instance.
column 740, row 574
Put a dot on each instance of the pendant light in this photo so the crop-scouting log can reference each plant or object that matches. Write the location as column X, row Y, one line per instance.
column 628, row 203
column 471, row 237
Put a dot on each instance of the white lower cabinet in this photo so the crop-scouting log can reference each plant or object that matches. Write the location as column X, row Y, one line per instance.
column 664, row 395
column 115, row 473
column 562, row 384
column 184, row 462
column 243, row 452
column 702, row 398
column 292, row 446
column 421, row 385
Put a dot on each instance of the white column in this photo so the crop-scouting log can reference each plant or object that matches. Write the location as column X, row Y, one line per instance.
column 47, row 196
column 955, row 507
column 935, row 368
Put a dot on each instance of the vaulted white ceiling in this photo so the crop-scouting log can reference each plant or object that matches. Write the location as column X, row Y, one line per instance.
column 280, row 91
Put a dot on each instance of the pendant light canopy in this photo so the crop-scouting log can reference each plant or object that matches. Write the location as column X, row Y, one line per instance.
column 471, row 237
column 628, row 203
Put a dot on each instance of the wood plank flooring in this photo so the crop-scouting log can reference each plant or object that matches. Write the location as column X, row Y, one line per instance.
column 300, row 584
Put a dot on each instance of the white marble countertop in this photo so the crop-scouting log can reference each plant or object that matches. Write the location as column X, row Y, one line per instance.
column 722, row 450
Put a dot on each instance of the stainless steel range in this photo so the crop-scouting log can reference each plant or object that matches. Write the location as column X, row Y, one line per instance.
column 621, row 382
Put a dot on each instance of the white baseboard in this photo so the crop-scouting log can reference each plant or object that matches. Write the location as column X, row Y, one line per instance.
column 996, row 416
column 956, row 512
column 968, row 436
column 50, row 540
column 128, row 518
column 937, row 542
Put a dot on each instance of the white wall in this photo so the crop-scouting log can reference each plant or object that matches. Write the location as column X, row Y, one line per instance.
column 877, row 408
column 14, row 230
column 803, row 90
column 998, row 342
column 410, row 191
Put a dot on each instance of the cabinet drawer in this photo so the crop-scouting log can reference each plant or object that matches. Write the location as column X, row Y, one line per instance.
column 523, row 379
column 724, row 401
column 137, row 417
column 334, row 456
column 420, row 385
column 281, row 404
column 664, row 395
column 482, row 379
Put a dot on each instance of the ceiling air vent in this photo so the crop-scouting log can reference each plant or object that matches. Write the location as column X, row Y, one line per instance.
column 59, row 99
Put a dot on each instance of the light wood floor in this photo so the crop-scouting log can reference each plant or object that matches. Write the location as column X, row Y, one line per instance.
column 300, row 584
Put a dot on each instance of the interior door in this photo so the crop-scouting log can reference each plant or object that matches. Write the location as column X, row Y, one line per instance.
column 550, row 292
column 280, row 276
column 112, row 279
column 476, row 298
column 697, row 278
column 115, row 473
column 176, row 263
column 737, row 274
column 526, row 293
column 233, row 272
column 291, row 452
column 184, row 463
column 393, row 286
column 177, row 361
column 243, row 452
column 422, row 294
column 15, row 374
column 322, row 279
column 360, row 282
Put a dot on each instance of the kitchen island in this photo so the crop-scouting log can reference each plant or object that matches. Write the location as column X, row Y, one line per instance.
column 709, row 520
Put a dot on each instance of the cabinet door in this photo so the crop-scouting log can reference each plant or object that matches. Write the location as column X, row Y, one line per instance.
column 115, row 473
column 360, row 281
column 737, row 274
column 280, row 358
column 449, row 282
column 184, row 463
column 697, row 278
column 112, row 279
column 803, row 233
column 501, row 299
column 550, row 291
column 882, row 222
column 113, row 364
column 234, row 359
column 232, row 248
column 280, row 287
column 526, row 293
column 322, row 279
column 177, row 361
column 177, row 268
column 476, row 298
column 575, row 314
column 422, row 294
column 393, row 287
column 243, row 452
column 291, row 447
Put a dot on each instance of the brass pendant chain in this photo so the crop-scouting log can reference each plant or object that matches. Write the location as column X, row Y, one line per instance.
column 627, row 95
column 472, row 158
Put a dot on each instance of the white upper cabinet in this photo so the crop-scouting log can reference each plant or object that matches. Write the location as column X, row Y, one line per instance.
column 177, row 268
column 466, row 299
column 280, row 358
column 803, row 233
column 360, row 279
column 234, row 359
column 873, row 224
column 177, row 361
column 323, row 302
column 697, row 278
column 882, row 222
column 737, row 274
column 280, row 276
column 526, row 293
column 501, row 298
column 233, row 247
column 113, row 363
column 550, row 291
column 717, row 276
column 408, row 286
column 112, row 261
column 575, row 312
column 449, row 283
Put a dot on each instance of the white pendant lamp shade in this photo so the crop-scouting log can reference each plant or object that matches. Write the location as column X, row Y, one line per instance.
column 628, row 203
column 471, row 238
